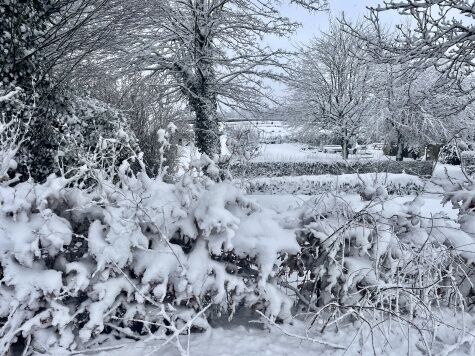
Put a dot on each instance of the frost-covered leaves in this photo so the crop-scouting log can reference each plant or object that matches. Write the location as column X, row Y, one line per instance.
column 20, row 33
column 21, row 67
column 93, row 134
column 385, row 255
column 133, row 256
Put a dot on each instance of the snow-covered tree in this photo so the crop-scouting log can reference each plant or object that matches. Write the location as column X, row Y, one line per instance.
column 332, row 86
column 420, row 108
column 209, row 51
column 440, row 34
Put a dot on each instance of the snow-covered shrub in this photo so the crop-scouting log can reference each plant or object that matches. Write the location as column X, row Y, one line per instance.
column 383, row 257
column 400, row 184
column 12, row 135
column 22, row 65
column 131, row 256
column 59, row 122
column 160, row 147
column 295, row 168
column 90, row 126
column 451, row 152
column 468, row 162
column 242, row 143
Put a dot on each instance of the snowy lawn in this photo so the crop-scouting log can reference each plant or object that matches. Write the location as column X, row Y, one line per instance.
column 285, row 152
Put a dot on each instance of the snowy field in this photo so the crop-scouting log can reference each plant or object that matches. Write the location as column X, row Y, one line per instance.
column 278, row 144
column 289, row 152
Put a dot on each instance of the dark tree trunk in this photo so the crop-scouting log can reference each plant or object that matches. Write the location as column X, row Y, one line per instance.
column 202, row 96
column 400, row 147
column 206, row 127
column 344, row 146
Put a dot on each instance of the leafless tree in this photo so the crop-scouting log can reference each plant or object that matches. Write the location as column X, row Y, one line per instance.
column 420, row 108
column 333, row 86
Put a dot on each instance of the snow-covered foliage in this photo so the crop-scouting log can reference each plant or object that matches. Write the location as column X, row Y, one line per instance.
column 242, row 143
column 336, row 167
column 401, row 184
column 386, row 256
column 451, row 152
column 132, row 257
column 93, row 130
column 468, row 161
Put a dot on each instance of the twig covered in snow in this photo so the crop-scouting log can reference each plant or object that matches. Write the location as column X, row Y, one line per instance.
column 305, row 338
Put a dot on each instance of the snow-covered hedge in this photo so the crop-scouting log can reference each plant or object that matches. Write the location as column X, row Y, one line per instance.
column 280, row 169
column 400, row 184
column 385, row 256
column 132, row 257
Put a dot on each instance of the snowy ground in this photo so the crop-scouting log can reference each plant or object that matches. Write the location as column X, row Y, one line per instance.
column 453, row 337
column 285, row 152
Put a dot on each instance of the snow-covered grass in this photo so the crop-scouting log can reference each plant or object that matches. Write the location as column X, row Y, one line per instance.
column 285, row 152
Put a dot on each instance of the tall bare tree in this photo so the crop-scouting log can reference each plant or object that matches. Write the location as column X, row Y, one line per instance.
column 332, row 85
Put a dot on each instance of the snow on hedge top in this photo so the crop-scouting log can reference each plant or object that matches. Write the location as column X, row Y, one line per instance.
column 394, row 183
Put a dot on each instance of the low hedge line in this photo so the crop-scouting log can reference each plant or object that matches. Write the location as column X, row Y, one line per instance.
column 281, row 169
column 398, row 184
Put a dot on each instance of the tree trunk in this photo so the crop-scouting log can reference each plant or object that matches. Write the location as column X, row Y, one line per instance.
column 344, row 151
column 202, row 96
column 344, row 146
column 206, row 128
column 400, row 148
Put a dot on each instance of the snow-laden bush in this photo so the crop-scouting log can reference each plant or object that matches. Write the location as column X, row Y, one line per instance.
column 81, row 127
column 400, row 184
column 452, row 151
column 384, row 257
column 90, row 125
column 242, row 143
column 131, row 256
